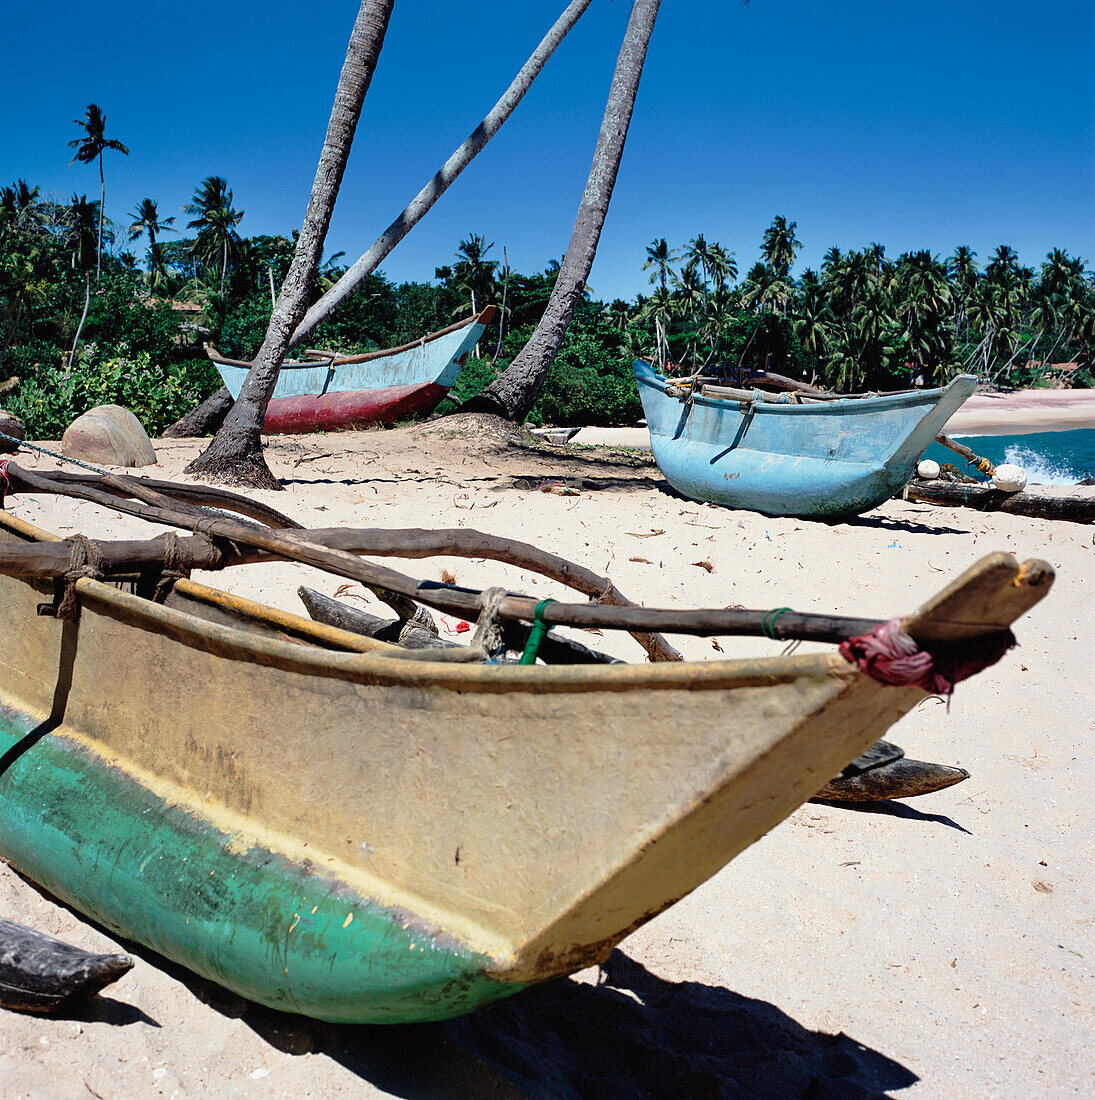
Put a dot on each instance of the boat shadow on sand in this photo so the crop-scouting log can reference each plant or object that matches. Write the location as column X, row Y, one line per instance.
column 526, row 482
column 632, row 1034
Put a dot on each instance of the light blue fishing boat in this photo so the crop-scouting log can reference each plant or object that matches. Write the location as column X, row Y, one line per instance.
column 767, row 453
column 328, row 391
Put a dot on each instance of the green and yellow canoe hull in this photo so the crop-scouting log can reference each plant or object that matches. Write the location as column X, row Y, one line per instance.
column 276, row 930
column 323, row 827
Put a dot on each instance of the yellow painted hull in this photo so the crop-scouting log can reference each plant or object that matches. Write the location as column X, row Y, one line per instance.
column 525, row 818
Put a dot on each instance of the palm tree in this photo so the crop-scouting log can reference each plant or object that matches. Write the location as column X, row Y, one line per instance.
column 473, row 272
column 724, row 267
column 21, row 207
column 82, row 225
column 235, row 453
column 1004, row 263
column 922, row 300
column 850, row 280
column 690, row 290
column 659, row 257
column 146, row 219
column 661, row 307
column 1059, row 271
column 875, row 255
column 216, row 221
column 326, row 277
column 962, row 270
column 89, row 148
column 443, row 178
column 617, row 315
column 765, row 290
column 720, row 316
column 812, row 318
column 780, row 246
column 515, row 391
column 699, row 255
column 874, row 329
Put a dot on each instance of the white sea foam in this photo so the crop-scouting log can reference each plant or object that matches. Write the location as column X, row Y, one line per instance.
column 1040, row 469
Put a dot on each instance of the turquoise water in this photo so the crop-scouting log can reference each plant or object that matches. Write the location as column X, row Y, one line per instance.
column 1049, row 458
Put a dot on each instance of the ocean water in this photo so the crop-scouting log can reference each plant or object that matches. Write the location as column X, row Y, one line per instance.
column 1049, row 458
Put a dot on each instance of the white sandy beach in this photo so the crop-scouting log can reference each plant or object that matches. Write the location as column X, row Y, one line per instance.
column 937, row 949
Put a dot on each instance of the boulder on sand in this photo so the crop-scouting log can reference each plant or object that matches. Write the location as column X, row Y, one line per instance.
column 11, row 425
column 110, row 436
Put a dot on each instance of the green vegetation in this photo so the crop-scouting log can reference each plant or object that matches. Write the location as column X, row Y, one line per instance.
column 863, row 321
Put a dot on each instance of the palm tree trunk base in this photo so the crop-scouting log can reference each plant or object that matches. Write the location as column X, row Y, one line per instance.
column 205, row 419
column 227, row 461
column 486, row 403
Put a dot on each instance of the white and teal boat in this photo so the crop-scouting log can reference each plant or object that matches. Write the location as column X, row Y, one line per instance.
column 768, row 453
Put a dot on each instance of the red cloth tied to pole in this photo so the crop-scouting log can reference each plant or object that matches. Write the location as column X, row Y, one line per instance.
column 888, row 655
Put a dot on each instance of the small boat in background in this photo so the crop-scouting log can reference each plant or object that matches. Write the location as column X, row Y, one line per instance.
column 327, row 391
column 819, row 455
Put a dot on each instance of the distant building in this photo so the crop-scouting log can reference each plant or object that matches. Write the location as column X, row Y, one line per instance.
column 1059, row 374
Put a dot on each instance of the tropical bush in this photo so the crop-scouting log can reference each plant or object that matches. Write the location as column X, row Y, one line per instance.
column 157, row 395
column 863, row 320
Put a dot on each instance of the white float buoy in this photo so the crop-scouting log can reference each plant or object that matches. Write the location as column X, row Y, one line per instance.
column 1010, row 478
column 927, row 468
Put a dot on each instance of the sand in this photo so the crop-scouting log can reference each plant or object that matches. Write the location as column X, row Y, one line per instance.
column 940, row 948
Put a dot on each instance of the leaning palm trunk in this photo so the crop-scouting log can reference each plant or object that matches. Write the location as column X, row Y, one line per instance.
column 440, row 182
column 515, row 392
column 80, row 326
column 209, row 415
column 235, row 454
column 102, row 209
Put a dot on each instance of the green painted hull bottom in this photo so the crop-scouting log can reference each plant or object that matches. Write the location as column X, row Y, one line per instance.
column 271, row 929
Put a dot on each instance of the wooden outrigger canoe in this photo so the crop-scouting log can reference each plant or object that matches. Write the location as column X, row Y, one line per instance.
column 302, row 815
column 768, row 454
column 329, row 391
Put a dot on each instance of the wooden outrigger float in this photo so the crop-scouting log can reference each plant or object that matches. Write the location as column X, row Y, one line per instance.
column 323, row 825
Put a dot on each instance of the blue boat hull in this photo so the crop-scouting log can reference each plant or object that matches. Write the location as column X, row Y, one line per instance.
column 356, row 391
column 831, row 458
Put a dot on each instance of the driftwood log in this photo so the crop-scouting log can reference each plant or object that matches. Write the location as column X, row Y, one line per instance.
column 331, row 555
column 39, row 973
column 332, row 612
column 124, row 487
column 1076, row 508
column 972, row 458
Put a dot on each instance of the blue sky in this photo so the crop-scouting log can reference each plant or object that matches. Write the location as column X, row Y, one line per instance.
column 917, row 124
